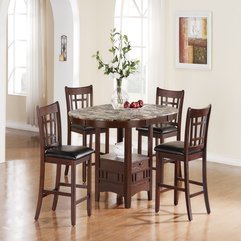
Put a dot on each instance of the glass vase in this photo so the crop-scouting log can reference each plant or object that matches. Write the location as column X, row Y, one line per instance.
column 119, row 96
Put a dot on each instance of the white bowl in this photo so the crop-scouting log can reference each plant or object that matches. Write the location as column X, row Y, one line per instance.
column 119, row 149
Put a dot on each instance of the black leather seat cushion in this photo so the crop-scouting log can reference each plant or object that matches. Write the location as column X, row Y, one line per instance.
column 173, row 147
column 159, row 130
column 82, row 128
column 68, row 152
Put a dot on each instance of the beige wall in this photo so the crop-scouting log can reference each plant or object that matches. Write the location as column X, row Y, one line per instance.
column 96, row 21
column 50, row 52
column 16, row 105
column 222, row 85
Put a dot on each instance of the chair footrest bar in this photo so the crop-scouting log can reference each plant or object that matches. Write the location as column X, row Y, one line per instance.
column 69, row 185
column 196, row 183
column 84, row 186
column 47, row 192
column 81, row 200
column 191, row 181
column 171, row 187
column 196, row 194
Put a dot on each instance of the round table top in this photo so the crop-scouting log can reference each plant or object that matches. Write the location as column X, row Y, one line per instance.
column 149, row 113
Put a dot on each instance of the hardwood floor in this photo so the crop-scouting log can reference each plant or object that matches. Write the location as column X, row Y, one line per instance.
column 18, row 195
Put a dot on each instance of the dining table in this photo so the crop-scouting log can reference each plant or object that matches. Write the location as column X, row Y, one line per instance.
column 130, row 173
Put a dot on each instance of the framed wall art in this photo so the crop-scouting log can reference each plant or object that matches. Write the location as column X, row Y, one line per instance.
column 193, row 40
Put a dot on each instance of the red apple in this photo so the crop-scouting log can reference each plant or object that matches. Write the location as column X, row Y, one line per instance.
column 126, row 104
column 137, row 105
column 132, row 105
column 141, row 103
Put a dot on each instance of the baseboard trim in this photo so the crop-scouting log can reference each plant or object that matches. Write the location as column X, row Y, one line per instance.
column 21, row 126
column 212, row 157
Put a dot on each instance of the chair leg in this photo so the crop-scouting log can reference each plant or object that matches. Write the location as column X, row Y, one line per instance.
column 57, row 181
column 187, row 190
column 40, row 193
column 180, row 170
column 149, row 193
column 89, row 187
column 176, row 182
column 69, row 143
column 73, row 193
column 205, row 187
column 90, row 140
column 159, row 180
column 139, row 143
column 107, row 140
column 84, row 163
column 66, row 170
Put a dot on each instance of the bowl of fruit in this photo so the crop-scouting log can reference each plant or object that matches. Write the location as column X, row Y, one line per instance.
column 134, row 104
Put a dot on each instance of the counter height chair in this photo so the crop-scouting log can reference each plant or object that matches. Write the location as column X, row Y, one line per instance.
column 77, row 98
column 193, row 147
column 53, row 152
column 165, row 97
column 162, row 131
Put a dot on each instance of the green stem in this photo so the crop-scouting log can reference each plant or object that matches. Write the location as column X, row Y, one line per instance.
column 119, row 92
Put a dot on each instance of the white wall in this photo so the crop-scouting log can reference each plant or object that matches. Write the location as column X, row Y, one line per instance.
column 222, row 85
column 63, row 70
column 3, row 7
column 96, row 21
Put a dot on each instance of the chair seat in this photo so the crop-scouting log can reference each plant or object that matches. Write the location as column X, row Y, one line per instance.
column 82, row 128
column 68, row 152
column 174, row 147
column 159, row 130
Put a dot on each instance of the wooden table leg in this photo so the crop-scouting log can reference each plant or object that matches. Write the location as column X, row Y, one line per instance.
column 97, row 163
column 119, row 134
column 119, row 199
column 150, row 147
column 128, row 167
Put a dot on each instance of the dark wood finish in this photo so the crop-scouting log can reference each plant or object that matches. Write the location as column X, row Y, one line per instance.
column 111, row 174
column 52, row 151
column 124, row 169
column 109, row 221
column 162, row 131
column 77, row 98
column 193, row 147
column 105, row 116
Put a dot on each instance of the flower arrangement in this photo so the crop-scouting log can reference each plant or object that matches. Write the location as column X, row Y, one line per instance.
column 120, row 66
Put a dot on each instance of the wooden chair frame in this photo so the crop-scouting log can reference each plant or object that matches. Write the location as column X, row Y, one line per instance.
column 52, row 151
column 193, row 147
column 165, row 97
column 77, row 98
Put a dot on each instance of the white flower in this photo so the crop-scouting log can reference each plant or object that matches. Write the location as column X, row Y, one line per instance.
column 116, row 76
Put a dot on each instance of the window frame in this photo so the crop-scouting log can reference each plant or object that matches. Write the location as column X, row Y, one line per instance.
column 16, row 86
column 120, row 18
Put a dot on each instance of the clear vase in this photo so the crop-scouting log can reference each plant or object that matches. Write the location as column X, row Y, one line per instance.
column 119, row 96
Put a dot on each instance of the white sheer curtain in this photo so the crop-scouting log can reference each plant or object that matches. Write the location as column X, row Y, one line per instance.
column 147, row 33
column 36, row 59
column 156, row 50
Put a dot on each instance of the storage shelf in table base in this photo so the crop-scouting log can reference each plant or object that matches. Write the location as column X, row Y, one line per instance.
column 111, row 174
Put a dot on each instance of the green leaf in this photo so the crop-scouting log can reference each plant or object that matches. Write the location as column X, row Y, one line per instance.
column 119, row 49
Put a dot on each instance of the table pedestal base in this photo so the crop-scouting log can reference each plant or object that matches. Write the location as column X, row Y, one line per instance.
column 112, row 176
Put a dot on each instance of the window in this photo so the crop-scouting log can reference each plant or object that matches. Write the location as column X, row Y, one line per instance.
column 17, row 47
column 132, row 18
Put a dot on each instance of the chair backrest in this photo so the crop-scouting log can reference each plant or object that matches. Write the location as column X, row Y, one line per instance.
column 172, row 98
column 196, row 129
column 78, row 97
column 49, row 122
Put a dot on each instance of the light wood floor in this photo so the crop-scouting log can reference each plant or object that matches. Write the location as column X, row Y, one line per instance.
column 18, row 196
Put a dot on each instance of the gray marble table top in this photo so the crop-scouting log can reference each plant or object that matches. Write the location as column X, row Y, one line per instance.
column 107, row 113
